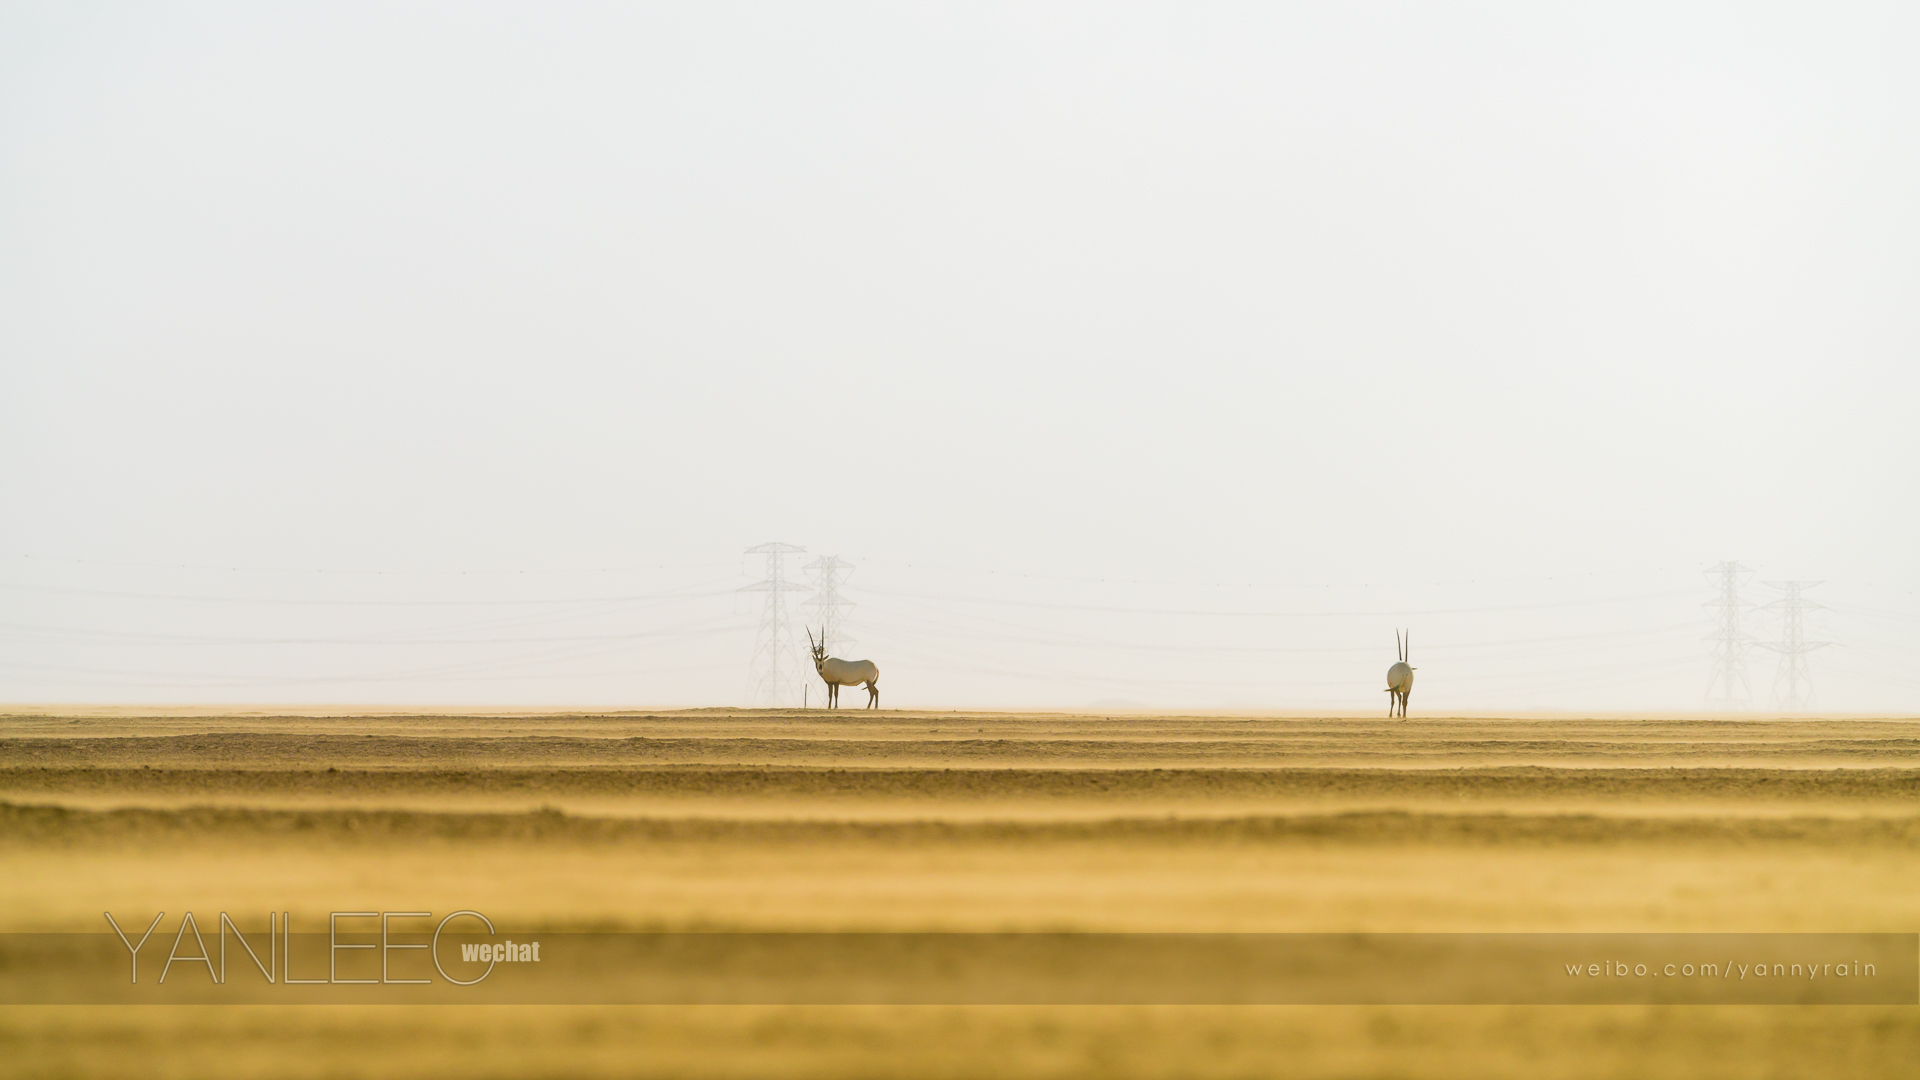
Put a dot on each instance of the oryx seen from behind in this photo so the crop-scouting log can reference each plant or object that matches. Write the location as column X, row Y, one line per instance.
column 838, row 673
column 1400, row 675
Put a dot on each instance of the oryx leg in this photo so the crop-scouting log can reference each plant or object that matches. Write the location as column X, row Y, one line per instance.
column 873, row 695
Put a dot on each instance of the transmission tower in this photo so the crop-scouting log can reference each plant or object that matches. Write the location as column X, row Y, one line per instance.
column 1792, row 679
column 773, row 675
column 1728, row 689
column 826, row 607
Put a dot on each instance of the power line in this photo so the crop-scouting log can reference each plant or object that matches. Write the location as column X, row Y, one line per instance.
column 457, row 671
column 303, row 570
column 1216, row 613
column 773, row 672
column 1114, row 579
column 93, row 678
column 829, row 572
column 1792, row 679
column 288, row 602
column 65, row 635
column 1728, row 689
column 1074, row 641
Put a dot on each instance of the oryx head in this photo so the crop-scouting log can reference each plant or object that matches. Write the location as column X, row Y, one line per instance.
column 819, row 648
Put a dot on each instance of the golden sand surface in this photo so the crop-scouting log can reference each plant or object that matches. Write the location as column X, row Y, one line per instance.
column 737, row 820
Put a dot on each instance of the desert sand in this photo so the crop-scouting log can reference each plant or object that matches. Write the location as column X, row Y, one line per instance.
column 902, row 821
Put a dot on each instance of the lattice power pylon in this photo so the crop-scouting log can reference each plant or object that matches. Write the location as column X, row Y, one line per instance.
column 1793, row 678
column 826, row 608
column 1728, row 688
column 774, row 674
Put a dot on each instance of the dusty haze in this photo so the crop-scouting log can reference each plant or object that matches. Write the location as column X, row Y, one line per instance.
column 1140, row 356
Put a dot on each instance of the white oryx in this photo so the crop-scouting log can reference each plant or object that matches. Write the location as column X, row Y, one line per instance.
column 1400, row 676
column 838, row 673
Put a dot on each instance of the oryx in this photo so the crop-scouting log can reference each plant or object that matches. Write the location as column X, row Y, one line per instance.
column 838, row 673
column 1400, row 676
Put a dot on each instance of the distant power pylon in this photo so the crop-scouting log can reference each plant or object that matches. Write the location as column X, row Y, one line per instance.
column 1728, row 689
column 1792, row 679
column 773, row 675
column 826, row 606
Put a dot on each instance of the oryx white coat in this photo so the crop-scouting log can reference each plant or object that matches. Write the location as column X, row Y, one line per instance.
column 837, row 673
column 1400, row 676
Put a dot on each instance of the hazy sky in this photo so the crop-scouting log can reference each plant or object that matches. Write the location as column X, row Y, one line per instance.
column 1498, row 322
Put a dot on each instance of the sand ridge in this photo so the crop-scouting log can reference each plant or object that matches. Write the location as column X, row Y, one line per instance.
column 737, row 821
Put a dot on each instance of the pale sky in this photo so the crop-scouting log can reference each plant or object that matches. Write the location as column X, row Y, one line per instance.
column 1167, row 355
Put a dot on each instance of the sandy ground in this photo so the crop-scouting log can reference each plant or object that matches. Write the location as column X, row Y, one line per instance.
column 721, row 819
